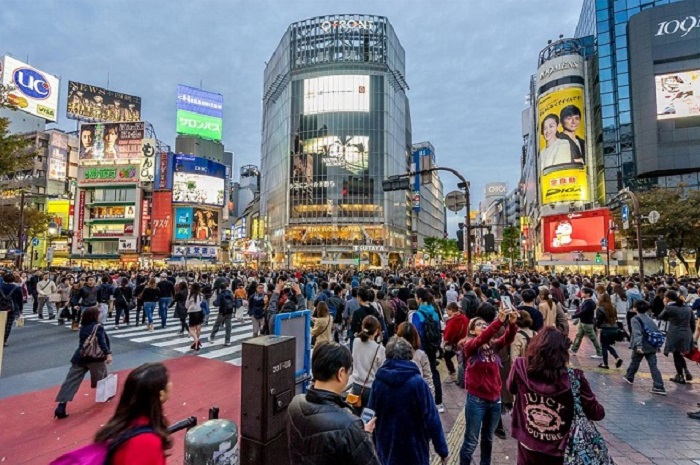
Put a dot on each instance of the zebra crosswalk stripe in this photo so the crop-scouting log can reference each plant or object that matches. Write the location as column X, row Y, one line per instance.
column 170, row 336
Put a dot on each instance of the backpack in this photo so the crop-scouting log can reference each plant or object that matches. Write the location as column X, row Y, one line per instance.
column 400, row 310
column 655, row 338
column 470, row 303
column 6, row 304
column 432, row 336
column 227, row 303
column 104, row 292
column 99, row 453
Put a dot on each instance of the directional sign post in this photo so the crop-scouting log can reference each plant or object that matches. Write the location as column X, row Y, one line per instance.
column 625, row 217
column 35, row 241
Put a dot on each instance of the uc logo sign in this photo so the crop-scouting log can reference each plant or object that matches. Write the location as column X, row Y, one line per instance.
column 32, row 83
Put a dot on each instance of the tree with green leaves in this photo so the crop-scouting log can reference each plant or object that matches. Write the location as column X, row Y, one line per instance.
column 510, row 244
column 449, row 249
column 431, row 247
column 36, row 222
column 16, row 150
column 678, row 226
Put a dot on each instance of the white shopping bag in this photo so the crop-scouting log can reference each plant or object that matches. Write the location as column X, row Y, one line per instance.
column 106, row 388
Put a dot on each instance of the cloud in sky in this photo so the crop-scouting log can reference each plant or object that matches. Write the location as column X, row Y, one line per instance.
column 468, row 63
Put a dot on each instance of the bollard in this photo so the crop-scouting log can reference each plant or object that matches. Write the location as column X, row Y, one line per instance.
column 214, row 442
column 214, row 413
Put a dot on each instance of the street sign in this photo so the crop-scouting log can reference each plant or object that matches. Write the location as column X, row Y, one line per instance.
column 654, row 217
column 395, row 184
column 455, row 201
column 625, row 217
column 603, row 242
column 35, row 241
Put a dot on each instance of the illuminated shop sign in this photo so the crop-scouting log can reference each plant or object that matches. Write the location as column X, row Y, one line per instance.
column 675, row 26
column 369, row 248
column 347, row 25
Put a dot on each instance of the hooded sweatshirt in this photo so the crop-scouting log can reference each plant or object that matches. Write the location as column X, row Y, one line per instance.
column 544, row 410
column 482, row 374
column 407, row 419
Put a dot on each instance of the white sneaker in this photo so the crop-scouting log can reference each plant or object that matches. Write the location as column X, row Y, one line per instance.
column 210, row 339
column 440, row 408
column 596, row 356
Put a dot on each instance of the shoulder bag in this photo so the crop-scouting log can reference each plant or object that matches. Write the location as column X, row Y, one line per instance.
column 584, row 444
column 91, row 347
column 356, row 399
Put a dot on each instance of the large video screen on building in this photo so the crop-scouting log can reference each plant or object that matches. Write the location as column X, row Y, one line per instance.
column 198, row 224
column 577, row 232
column 199, row 113
column 678, row 95
column 111, row 141
column 336, row 93
column 97, row 104
column 350, row 153
column 198, row 180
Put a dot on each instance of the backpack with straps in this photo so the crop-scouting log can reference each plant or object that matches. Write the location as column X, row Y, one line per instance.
column 99, row 453
column 432, row 336
column 6, row 304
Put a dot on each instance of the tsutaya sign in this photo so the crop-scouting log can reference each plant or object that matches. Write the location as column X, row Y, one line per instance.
column 349, row 24
column 369, row 248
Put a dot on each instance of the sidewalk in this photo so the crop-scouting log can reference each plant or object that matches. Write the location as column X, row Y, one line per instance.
column 640, row 428
column 30, row 435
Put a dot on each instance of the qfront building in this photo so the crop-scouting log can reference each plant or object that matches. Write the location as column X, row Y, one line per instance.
column 336, row 122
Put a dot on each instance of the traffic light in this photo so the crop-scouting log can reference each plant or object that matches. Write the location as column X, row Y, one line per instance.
column 598, row 259
column 489, row 243
column 661, row 249
column 460, row 240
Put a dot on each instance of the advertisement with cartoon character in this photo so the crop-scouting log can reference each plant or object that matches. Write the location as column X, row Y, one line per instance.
column 577, row 232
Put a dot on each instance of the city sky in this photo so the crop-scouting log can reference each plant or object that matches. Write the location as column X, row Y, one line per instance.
column 468, row 64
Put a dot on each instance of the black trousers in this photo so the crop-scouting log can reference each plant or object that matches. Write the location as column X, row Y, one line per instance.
column 679, row 363
column 432, row 358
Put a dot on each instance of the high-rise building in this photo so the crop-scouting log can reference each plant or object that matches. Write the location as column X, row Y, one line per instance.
column 428, row 200
column 336, row 122
column 622, row 146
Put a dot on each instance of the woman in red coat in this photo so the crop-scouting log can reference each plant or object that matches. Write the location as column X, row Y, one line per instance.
column 455, row 330
column 141, row 405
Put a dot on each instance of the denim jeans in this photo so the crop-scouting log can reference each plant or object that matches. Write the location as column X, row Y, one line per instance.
column 636, row 359
column 163, row 303
column 481, row 416
column 104, row 308
column 225, row 321
column 148, row 308
column 206, row 310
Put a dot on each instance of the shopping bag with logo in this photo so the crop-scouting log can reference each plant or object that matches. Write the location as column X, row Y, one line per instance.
column 106, row 388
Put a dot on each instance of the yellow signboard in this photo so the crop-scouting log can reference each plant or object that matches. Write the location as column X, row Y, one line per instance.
column 570, row 185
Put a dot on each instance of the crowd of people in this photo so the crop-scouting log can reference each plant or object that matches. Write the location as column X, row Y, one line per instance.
column 379, row 338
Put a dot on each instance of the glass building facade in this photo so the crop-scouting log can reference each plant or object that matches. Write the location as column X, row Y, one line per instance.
column 606, row 20
column 336, row 122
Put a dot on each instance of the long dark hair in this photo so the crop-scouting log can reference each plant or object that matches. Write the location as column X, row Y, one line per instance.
column 425, row 296
column 547, row 354
column 674, row 297
column 140, row 398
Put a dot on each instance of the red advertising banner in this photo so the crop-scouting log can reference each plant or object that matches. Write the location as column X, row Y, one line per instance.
column 145, row 217
column 161, row 223
column 585, row 231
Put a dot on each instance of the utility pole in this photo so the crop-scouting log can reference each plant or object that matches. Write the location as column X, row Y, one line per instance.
column 638, row 224
column 20, row 234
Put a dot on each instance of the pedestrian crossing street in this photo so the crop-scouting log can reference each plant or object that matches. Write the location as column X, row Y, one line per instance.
column 170, row 337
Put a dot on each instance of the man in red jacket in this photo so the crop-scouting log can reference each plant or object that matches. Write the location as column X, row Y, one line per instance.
column 455, row 330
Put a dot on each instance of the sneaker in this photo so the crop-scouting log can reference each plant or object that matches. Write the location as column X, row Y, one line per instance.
column 500, row 433
column 618, row 364
column 602, row 365
column 596, row 356
column 688, row 376
column 659, row 391
column 227, row 344
column 440, row 408
column 629, row 381
column 210, row 338
column 116, row 328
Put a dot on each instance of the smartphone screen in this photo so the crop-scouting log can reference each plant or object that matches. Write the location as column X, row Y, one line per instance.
column 507, row 303
column 367, row 415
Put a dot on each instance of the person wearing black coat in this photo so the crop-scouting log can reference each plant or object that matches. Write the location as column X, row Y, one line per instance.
column 180, row 301
column 122, row 302
column 679, row 335
column 321, row 429
column 80, row 365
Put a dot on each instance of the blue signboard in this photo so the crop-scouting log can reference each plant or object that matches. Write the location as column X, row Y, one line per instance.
column 200, row 101
column 198, row 165
column 183, row 223
column 197, row 180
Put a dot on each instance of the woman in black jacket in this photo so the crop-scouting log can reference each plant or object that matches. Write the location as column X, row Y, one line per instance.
column 74, row 304
column 138, row 291
column 179, row 300
column 679, row 335
column 80, row 365
column 122, row 302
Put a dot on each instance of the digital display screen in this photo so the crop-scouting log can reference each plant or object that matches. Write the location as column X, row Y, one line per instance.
column 678, row 95
column 327, row 94
column 198, row 188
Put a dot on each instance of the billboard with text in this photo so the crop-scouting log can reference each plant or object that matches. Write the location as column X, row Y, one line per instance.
column 96, row 104
column 111, row 141
column 198, row 180
column 32, row 91
column 199, row 113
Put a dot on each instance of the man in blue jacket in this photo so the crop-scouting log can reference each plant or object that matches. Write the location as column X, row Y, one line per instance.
column 407, row 419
